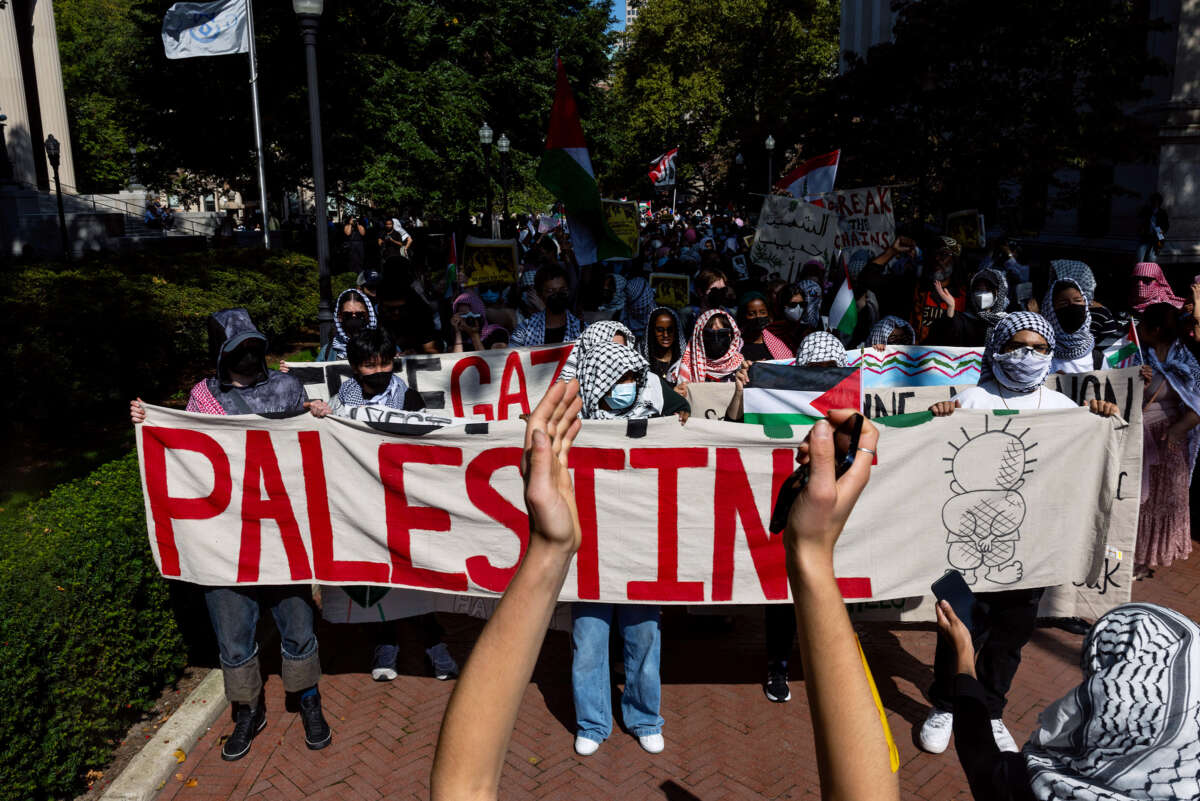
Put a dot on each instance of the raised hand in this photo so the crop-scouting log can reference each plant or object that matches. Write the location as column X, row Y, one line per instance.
column 549, row 493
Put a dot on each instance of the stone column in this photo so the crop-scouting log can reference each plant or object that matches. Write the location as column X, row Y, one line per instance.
column 12, row 100
column 48, row 73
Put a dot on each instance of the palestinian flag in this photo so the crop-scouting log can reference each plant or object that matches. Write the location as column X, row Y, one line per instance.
column 780, row 396
column 566, row 170
column 843, row 314
column 1125, row 351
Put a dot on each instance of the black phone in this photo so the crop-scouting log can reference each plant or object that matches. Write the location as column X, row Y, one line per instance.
column 845, row 447
column 953, row 589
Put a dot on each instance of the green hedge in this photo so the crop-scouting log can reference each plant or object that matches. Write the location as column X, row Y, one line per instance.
column 102, row 332
column 88, row 637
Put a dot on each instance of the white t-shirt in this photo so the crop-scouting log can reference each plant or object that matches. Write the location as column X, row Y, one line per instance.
column 1084, row 364
column 990, row 395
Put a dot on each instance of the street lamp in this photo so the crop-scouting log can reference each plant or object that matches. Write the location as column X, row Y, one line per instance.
column 503, row 144
column 485, row 139
column 54, row 153
column 770, row 144
column 309, row 13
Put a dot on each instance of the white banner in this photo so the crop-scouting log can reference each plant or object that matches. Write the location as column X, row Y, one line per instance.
column 206, row 29
column 790, row 232
column 865, row 218
column 671, row 514
column 481, row 385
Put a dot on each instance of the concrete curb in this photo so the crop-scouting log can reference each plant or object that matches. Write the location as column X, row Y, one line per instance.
column 154, row 764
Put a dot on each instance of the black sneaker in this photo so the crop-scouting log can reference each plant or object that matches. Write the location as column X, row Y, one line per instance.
column 776, row 687
column 247, row 722
column 316, row 731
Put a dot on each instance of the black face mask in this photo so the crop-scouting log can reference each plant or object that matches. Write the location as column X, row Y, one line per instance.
column 352, row 326
column 557, row 303
column 716, row 343
column 719, row 296
column 249, row 363
column 753, row 326
column 374, row 383
column 1071, row 317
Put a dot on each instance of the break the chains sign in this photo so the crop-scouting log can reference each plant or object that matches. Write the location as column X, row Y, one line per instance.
column 670, row 513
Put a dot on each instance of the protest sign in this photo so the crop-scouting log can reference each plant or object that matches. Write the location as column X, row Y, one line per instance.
column 670, row 513
column 481, row 385
column 791, row 232
column 622, row 218
column 967, row 228
column 865, row 218
column 917, row 365
column 672, row 290
column 489, row 261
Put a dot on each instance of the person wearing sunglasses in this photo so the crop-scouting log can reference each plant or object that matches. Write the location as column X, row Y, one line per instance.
column 355, row 313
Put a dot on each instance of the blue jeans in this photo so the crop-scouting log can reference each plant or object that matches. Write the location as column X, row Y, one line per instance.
column 590, row 682
column 234, row 614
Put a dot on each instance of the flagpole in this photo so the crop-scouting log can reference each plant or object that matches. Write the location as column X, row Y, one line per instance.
column 262, row 177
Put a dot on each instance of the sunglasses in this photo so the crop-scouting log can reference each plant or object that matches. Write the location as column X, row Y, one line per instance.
column 354, row 315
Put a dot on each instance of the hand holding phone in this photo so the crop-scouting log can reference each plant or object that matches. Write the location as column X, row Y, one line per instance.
column 846, row 444
column 953, row 589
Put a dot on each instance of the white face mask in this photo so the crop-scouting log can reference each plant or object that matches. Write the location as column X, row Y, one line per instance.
column 795, row 312
column 1021, row 370
column 984, row 300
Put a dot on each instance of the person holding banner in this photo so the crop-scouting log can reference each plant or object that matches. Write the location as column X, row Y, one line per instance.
column 613, row 384
column 1016, row 362
column 244, row 385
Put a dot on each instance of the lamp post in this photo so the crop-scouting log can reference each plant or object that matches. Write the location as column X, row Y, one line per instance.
column 770, row 145
column 485, row 139
column 54, row 154
column 503, row 144
column 6, row 167
column 309, row 13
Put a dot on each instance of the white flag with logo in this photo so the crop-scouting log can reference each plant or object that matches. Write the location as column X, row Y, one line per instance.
column 206, row 29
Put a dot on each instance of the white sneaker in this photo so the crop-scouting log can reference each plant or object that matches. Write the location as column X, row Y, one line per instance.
column 1004, row 740
column 652, row 743
column 585, row 746
column 936, row 731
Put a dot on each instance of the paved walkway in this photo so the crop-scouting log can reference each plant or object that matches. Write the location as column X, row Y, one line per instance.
column 724, row 739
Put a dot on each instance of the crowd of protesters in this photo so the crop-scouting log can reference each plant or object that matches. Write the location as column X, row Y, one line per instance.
column 634, row 358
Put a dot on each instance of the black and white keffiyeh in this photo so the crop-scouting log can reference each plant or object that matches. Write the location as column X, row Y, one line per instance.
column 350, row 394
column 999, row 284
column 1077, row 271
column 337, row 345
column 600, row 369
column 1003, row 331
column 533, row 330
column 1069, row 345
column 812, row 302
column 1131, row 730
column 595, row 334
column 882, row 330
column 819, row 347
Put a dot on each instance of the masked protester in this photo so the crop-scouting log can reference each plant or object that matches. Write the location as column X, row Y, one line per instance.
column 375, row 383
column 1066, row 308
column 660, row 346
column 986, row 302
column 555, row 323
column 613, row 384
column 1106, row 326
column 244, row 385
column 891, row 330
column 355, row 313
column 936, row 294
column 467, row 322
column 1170, row 413
column 754, row 317
column 1150, row 286
column 797, row 313
column 1016, row 362
column 715, row 350
column 596, row 334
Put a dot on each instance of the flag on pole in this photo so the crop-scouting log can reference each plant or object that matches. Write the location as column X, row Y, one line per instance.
column 662, row 169
column 206, row 29
column 843, row 313
column 1124, row 351
column 812, row 179
column 566, row 170
column 779, row 396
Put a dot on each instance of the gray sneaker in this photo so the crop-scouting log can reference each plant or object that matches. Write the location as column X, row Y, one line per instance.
column 444, row 666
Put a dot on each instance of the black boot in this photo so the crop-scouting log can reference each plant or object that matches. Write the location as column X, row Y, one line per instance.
column 316, row 731
column 247, row 722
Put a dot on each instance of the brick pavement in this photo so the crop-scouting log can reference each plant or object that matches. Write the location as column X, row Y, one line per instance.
column 724, row 739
